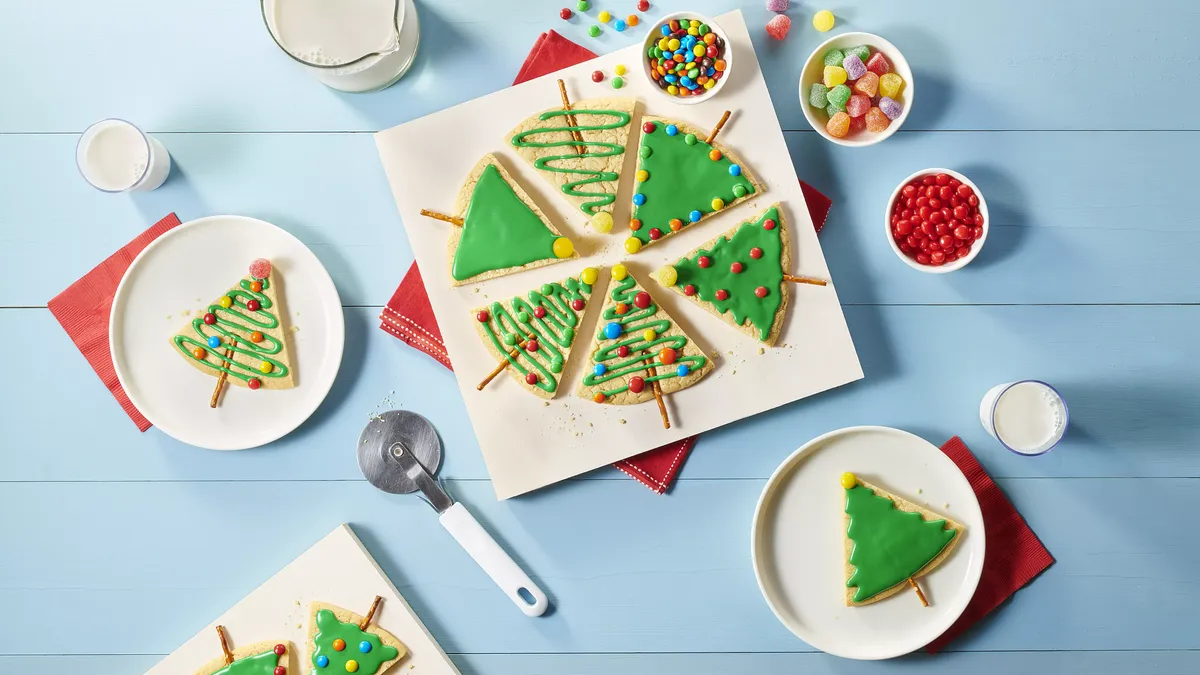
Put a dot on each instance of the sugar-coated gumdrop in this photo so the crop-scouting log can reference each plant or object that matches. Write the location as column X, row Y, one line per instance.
column 858, row 105
column 779, row 26
column 834, row 57
column 867, row 85
column 839, row 124
column 854, row 66
column 838, row 96
column 876, row 120
column 834, row 75
column 863, row 52
column 777, row 5
column 858, row 124
column 890, row 107
column 823, row 20
column 890, row 85
column 832, row 110
column 260, row 268
column 878, row 64
column 816, row 95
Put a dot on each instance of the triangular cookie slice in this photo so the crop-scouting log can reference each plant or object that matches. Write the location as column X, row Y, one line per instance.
column 638, row 343
column 260, row 658
column 335, row 639
column 535, row 331
column 243, row 333
column 503, row 231
column 588, row 179
column 682, row 180
column 889, row 540
column 739, row 275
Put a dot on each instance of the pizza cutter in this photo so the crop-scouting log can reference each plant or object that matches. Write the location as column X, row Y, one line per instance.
column 400, row 452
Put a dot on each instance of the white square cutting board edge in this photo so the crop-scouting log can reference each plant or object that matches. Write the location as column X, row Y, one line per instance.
column 338, row 570
column 526, row 444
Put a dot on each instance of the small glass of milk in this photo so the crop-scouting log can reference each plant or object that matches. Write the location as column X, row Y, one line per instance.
column 1028, row 417
column 116, row 156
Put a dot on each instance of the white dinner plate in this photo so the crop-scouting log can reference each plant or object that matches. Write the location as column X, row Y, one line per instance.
column 184, row 270
column 797, row 542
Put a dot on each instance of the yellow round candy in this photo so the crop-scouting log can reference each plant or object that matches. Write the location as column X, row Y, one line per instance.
column 619, row 69
column 710, row 84
column 225, row 301
column 642, row 175
column 265, row 367
column 563, row 248
column 604, row 16
column 849, row 480
column 718, row 203
column 698, row 50
column 664, row 44
column 673, row 44
column 633, row 245
column 648, row 335
column 823, row 20
column 694, row 31
column 589, row 275
column 618, row 271
column 602, row 222
column 351, row 666
column 668, row 275
column 672, row 89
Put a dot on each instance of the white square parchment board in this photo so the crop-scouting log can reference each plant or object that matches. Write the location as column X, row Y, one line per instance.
column 337, row 570
column 528, row 444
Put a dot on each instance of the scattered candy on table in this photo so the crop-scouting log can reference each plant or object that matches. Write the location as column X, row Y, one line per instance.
column 643, row 5
column 823, row 20
column 779, row 26
column 565, row 13
column 857, row 83
column 619, row 69
column 603, row 16
column 632, row 20
column 597, row 76
column 619, row 26
column 594, row 30
column 688, row 58
column 935, row 219
column 582, row 5
column 618, row 82
column 777, row 5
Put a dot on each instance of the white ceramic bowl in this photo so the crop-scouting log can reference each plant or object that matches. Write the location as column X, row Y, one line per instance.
column 814, row 71
column 958, row 263
column 655, row 35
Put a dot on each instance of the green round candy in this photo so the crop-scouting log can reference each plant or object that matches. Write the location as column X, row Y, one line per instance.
column 594, row 31
column 556, row 364
column 582, row 5
column 650, row 52
column 618, row 82
column 547, row 289
column 510, row 339
column 690, row 139
column 694, row 73
column 703, row 29
column 568, row 334
column 739, row 191
column 645, row 151
column 523, row 316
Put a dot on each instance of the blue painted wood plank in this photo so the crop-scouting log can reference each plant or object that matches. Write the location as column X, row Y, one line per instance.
column 628, row 571
column 1090, row 221
column 950, row 663
column 1126, row 374
column 1015, row 65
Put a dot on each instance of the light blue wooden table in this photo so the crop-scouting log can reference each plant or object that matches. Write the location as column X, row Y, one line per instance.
column 114, row 545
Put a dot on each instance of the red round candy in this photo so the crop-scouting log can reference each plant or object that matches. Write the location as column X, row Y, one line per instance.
column 252, row 305
column 978, row 220
column 597, row 76
column 769, row 225
column 689, row 290
column 643, row 5
column 565, row 13
column 973, row 201
column 623, row 351
column 978, row 231
column 636, row 384
column 903, row 228
column 210, row 318
column 756, row 253
column 736, row 267
column 704, row 261
column 722, row 294
column 946, row 192
column 539, row 311
column 942, row 228
column 761, row 291
column 962, row 232
column 280, row 649
column 482, row 316
column 531, row 378
column 280, row 670
column 964, row 191
column 961, row 212
column 577, row 304
column 655, row 233
column 909, row 191
column 946, row 240
column 962, row 251
column 648, row 127
column 937, row 257
column 260, row 269
column 641, row 300
column 254, row 383
column 531, row 346
column 923, row 258
column 942, row 179
column 927, row 179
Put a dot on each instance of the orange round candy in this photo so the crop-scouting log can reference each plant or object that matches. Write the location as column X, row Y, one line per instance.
column 676, row 224
column 678, row 58
column 339, row 644
column 714, row 154
column 710, row 38
column 632, row 20
column 256, row 286
column 622, row 308
column 199, row 353
column 599, row 397
column 635, row 224
column 719, row 65
column 256, row 337
column 668, row 356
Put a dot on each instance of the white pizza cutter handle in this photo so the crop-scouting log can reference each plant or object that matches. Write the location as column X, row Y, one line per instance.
column 511, row 579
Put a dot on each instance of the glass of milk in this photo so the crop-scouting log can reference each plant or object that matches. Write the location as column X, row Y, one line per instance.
column 1028, row 417
column 116, row 156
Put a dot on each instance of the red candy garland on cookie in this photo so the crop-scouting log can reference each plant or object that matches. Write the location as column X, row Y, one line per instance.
column 268, row 661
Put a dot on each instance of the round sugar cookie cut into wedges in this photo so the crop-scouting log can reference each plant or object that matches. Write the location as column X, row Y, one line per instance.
column 798, row 542
column 174, row 282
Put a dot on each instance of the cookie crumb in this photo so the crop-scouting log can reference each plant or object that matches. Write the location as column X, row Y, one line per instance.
column 186, row 312
column 621, row 421
column 546, row 403
column 762, row 350
column 946, row 505
column 294, row 329
column 919, row 491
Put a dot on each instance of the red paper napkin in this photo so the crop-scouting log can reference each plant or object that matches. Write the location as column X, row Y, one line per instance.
column 409, row 316
column 83, row 310
column 1014, row 554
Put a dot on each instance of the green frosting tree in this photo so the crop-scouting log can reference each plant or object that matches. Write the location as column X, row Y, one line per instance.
column 342, row 647
column 259, row 664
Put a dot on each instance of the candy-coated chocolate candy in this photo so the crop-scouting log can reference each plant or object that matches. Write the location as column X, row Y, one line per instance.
column 577, row 304
column 823, row 20
column 623, row 351
column 655, row 233
column 682, row 370
column 253, row 305
column 604, row 16
column 675, row 224
column 667, row 276
column 761, row 291
column 530, row 379
column 256, row 286
column 672, row 130
column 704, row 261
column 481, row 316
column 565, row 14
column 339, row 644
column 265, row 367
column 667, row 355
column 736, row 267
column 280, row 649
column 225, row 301
column 642, row 175
column 523, row 316
column 563, row 247
column 756, row 253
column 649, row 335
column 714, row 154
column 635, row 224
column 769, row 224
column 256, row 337
column 210, row 318
column 531, row 346
column 279, row 670
column 618, row 82
column 632, row 20
column 254, row 383
column 352, row 666
column 718, row 203
column 583, row 5
column 364, row 647
column 636, row 384
column 612, row 330
column 641, row 300
column 690, row 139
column 597, row 76
column 199, row 353
column 214, row 341
column 260, row 268
column 594, row 31
column 539, row 312
column 621, row 308
column 619, row 272
column 643, row 5
column 322, row 661
column 639, row 199
column 722, row 294
column 599, row 369
column 695, row 216
column 620, row 27
column 849, row 480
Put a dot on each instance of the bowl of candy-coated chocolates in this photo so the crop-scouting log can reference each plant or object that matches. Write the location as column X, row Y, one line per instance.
column 701, row 55
column 856, row 89
column 936, row 221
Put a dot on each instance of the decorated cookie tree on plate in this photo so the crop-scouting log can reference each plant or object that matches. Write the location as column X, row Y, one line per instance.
column 531, row 335
column 261, row 658
column 890, row 542
column 639, row 351
column 499, row 230
column 241, row 337
column 579, row 148
column 683, row 177
column 344, row 642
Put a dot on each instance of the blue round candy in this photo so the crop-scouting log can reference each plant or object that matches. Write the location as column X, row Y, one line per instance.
column 639, row 199
column 665, row 30
column 618, row 25
column 612, row 331
column 710, row 71
column 364, row 647
column 672, row 129
column 686, row 81
column 693, row 85
column 671, row 79
column 600, row 369
column 214, row 342
column 695, row 216
column 735, row 170
column 322, row 661
column 682, row 370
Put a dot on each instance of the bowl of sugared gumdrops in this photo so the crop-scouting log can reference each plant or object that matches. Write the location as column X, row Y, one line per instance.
column 856, row 89
column 936, row 221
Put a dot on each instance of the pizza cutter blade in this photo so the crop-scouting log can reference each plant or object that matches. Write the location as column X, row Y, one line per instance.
column 400, row 452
